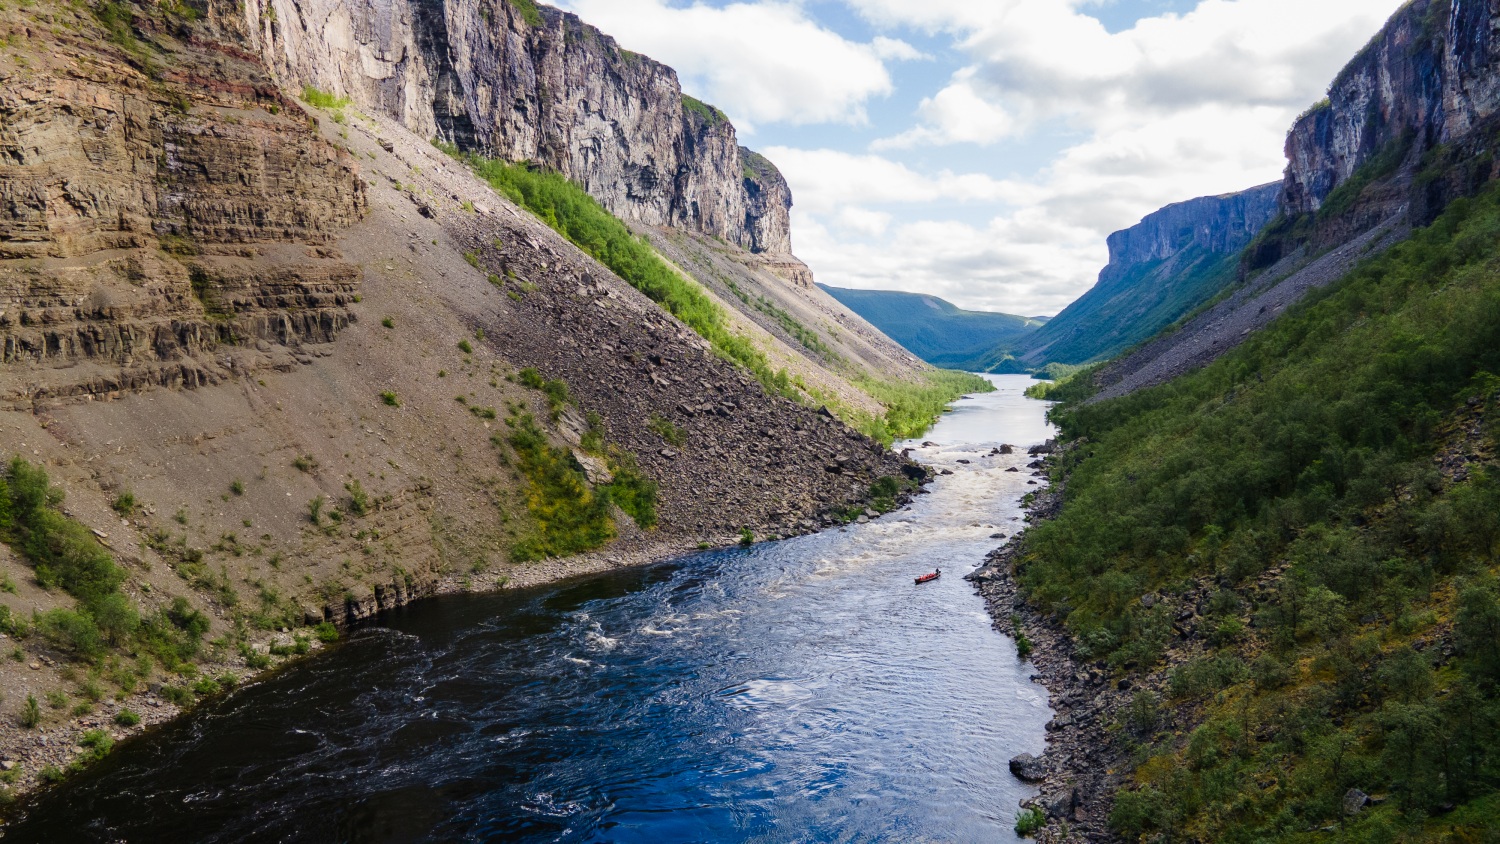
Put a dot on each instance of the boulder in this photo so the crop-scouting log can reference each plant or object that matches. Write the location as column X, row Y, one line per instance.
column 1354, row 801
column 1028, row 768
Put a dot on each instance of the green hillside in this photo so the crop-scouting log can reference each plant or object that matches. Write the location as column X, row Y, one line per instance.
column 935, row 330
column 1316, row 519
column 1131, row 308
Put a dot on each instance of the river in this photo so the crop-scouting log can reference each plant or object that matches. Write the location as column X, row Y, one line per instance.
column 802, row 690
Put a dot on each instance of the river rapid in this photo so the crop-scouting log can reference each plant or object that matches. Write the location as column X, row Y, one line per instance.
column 802, row 690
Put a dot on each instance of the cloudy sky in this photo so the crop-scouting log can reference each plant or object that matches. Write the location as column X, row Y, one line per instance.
column 981, row 150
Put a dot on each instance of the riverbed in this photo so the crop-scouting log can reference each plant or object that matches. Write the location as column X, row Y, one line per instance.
column 801, row 690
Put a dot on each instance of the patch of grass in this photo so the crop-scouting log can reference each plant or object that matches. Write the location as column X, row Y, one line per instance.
column 326, row 632
column 64, row 554
column 570, row 516
column 388, row 322
column 359, row 503
column 31, row 713
column 1030, row 821
column 555, row 389
column 707, row 113
column 124, row 503
column 304, row 463
column 465, row 347
column 127, row 718
column 237, row 487
column 528, row 11
column 747, row 537
column 662, row 427
column 390, row 399
column 322, row 99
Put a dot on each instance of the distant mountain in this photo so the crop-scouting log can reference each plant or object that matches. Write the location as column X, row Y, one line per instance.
column 1162, row 268
column 936, row 330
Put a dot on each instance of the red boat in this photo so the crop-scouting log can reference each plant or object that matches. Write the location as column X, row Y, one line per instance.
column 927, row 578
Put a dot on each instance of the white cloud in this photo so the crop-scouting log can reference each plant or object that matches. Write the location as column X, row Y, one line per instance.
column 956, row 114
column 826, row 180
column 1178, row 106
column 765, row 62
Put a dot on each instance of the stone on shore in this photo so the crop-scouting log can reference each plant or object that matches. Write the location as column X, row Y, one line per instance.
column 1028, row 768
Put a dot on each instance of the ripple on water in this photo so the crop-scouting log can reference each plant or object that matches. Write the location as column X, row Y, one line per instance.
column 803, row 690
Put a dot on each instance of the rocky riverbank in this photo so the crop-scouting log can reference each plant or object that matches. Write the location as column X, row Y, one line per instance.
column 1081, row 768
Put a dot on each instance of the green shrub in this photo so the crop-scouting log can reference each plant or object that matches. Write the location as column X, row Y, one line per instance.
column 127, row 718
column 747, row 537
column 326, row 632
column 124, row 503
column 31, row 713
column 390, row 399
column 359, row 501
column 1030, row 821
column 570, row 516
column 465, row 347
column 63, row 552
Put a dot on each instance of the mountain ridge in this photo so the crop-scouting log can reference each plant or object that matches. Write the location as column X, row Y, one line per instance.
column 935, row 330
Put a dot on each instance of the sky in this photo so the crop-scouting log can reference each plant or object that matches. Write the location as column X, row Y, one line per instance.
column 982, row 150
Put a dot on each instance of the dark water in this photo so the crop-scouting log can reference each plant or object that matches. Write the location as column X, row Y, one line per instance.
column 804, row 690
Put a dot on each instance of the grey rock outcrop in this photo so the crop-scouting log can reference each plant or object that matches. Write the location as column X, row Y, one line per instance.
column 539, row 86
column 1429, row 77
column 1217, row 224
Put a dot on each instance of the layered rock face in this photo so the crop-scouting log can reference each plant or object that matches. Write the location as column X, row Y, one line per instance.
column 132, row 202
column 1428, row 78
column 536, row 85
column 1215, row 224
column 1166, row 265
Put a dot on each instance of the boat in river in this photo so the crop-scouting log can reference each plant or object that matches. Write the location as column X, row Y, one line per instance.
column 929, row 577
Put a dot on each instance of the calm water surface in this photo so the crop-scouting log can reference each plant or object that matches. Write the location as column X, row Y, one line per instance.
column 803, row 690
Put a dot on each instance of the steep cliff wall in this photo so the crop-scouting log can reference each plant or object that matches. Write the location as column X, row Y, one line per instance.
column 1171, row 262
column 1428, row 78
column 540, row 86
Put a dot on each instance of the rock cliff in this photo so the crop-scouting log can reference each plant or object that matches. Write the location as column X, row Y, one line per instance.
column 1166, row 265
column 1428, row 78
column 525, row 82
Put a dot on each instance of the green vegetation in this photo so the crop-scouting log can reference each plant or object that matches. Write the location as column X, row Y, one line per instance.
column 1331, row 486
column 320, row 99
column 326, row 632
column 125, row 503
column 662, row 427
column 707, row 113
column 390, row 399
column 568, row 209
column 555, row 389
column 31, row 713
column 64, row 554
column 127, row 718
column 465, row 347
column 747, row 537
column 570, row 516
column 912, row 408
column 528, row 11
column 1030, row 821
